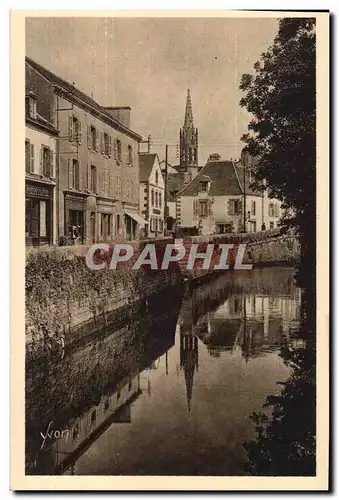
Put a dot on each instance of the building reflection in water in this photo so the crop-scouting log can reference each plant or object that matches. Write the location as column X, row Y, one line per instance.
column 94, row 388
column 189, row 362
column 111, row 372
column 249, row 325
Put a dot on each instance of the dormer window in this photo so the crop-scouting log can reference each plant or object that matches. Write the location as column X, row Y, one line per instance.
column 31, row 106
column 203, row 187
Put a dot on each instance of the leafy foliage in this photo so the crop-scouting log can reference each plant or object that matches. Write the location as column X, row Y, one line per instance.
column 281, row 96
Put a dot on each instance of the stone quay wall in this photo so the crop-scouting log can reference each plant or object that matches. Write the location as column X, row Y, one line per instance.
column 65, row 300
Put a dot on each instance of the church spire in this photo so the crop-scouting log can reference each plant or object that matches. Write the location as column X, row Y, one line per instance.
column 188, row 112
column 188, row 138
column 189, row 363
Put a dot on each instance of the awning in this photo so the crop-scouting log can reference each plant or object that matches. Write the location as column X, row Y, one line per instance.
column 137, row 218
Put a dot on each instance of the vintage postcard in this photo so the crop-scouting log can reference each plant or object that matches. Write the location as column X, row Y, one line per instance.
column 170, row 246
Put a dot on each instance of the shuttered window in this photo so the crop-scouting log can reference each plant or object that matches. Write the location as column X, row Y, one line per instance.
column 74, row 129
column 28, row 156
column 46, row 161
column 235, row 207
column 92, row 138
column 93, row 185
column 73, row 174
column 119, row 150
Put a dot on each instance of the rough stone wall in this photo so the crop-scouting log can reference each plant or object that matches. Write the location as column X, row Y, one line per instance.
column 262, row 249
column 65, row 299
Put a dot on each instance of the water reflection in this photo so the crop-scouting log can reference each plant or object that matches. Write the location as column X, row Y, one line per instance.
column 171, row 392
column 73, row 400
column 285, row 441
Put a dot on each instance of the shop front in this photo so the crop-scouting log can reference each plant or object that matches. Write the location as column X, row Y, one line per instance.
column 39, row 214
column 75, row 213
column 133, row 224
column 105, row 220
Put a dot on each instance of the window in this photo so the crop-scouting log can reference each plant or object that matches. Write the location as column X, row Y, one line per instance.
column 31, row 106
column 253, row 207
column 93, row 184
column 118, row 150
column 118, row 223
column 76, row 174
column 154, row 224
column 160, row 200
column 74, row 129
column 92, row 138
column 46, row 161
column 152, row 197
column 156, row 198
column 271, row 225
column 203, row 187
column 29, row 157
column 224, row 228
column 234, row 207
column 105, row 182
column 271, row 209
column 118, row 187
column 73, row 174
column 276, row 210
column 156, row 177
column 130, row 155
column 202, row 208
column 106, row 144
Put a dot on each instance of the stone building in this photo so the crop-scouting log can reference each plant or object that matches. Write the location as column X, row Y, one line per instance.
column 97, row 172
column 152, row 194
column 40, row 175
column 220, row 200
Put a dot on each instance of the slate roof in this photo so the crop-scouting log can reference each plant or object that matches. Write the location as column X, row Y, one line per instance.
column 226, row 179
column 71, row 89
column 146, row 162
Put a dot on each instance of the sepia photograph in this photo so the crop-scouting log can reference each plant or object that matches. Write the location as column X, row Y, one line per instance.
column 174, row 325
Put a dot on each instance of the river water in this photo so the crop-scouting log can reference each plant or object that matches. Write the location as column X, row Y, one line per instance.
column 171, row 391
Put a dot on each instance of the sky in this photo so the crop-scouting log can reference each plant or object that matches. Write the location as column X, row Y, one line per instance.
column 149, row 63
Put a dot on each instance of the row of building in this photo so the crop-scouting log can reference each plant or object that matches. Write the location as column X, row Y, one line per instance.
column 88, row 181
column 82, row 168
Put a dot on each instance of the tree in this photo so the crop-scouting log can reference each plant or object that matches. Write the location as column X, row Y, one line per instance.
column 281, row 96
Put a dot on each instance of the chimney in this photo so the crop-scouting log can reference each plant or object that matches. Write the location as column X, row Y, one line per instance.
column 120, row 113
column 187, row 177
column 214, row 157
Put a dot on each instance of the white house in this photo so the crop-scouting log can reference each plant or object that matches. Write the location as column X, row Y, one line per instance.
column 40, row 176
column 152, row 194
column 214, row 201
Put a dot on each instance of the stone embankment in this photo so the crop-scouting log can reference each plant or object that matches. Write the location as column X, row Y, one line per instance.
column 65, row 300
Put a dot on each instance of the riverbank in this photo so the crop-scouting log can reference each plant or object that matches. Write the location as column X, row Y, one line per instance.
column 66, row 301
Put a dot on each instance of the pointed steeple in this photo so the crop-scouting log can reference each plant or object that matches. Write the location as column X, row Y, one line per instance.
column 188, row 138
column 188, row 112
column 189, row 363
